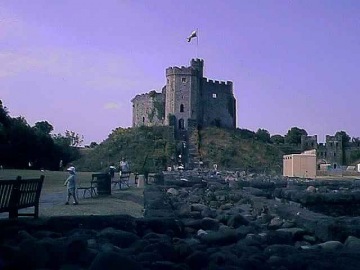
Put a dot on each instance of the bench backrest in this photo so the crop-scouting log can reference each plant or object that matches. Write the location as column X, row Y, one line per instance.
column 6, row 188
column 20, row 193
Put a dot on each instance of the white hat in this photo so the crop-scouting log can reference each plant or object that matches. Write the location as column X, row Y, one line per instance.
column 71, row 169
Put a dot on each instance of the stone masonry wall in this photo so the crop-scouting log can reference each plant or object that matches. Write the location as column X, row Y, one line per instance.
column 148, row 109
column 218, row 102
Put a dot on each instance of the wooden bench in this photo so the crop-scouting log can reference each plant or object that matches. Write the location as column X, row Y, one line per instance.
column 89, row 188
column 19, row 194
column 122, row 181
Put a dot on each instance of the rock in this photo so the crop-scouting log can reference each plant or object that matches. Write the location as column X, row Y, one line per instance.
column 197, row 260
column 118, row 237
column 311, row 189
column 201, row 232
column 209, row 224
column 226, row 206
column 198, row 207
column 172, row 191
column 309, row 238
column 148, row 257
column 352, row 243
column 296, row 233
column 279, row 250
column 288, row 224
column 207, row 212
column 236, row 221
column 224, row 237
column 164, row 249
column 331, row 245
column 35, row 254
column 275, row 223
column 112, row 261
column 194, row 199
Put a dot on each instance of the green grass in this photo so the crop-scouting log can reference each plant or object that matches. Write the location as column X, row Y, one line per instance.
column 54, row 180
column 127, row 201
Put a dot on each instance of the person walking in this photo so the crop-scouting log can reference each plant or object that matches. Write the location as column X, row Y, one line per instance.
column 70, row 182
column 124, row 166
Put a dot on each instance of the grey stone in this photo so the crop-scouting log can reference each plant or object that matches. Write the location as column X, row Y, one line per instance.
column 352, row 243
column 113, row 260
column 275, row 223
column 209, row 224
column 173, row 191
column 224, row 237
column 331, row 245
column 198, row 207
column 118, row 237
column 236, row 221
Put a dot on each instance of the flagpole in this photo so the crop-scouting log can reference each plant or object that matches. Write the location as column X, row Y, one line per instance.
column 197, row 42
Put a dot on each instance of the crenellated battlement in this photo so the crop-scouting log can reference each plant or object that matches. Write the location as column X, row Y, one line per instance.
column 180, row 71
column 146, row 96
column 208, row 81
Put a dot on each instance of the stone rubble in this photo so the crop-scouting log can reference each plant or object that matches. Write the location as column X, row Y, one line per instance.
column 197, row 220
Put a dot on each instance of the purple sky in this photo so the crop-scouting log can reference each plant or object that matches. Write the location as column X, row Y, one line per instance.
column 77, row 64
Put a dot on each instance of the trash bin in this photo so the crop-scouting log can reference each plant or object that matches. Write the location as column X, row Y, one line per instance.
column 103, row 183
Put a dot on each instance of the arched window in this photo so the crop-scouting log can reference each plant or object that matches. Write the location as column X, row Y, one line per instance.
column 182, row 108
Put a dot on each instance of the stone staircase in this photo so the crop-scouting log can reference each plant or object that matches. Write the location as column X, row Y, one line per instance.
column 193, row 155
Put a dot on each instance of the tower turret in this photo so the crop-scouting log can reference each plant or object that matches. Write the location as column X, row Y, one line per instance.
column 198, row 64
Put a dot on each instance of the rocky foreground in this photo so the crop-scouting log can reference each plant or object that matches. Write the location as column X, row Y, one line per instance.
column 198, row 221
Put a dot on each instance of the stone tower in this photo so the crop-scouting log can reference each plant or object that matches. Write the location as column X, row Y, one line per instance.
column 183, row 93
column 188, row 100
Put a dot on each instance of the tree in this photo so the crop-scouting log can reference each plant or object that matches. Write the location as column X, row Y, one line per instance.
column 245, row 133
column 262, row 135
column 43, row 127
column 93, row 144
column 74, row 138
column 277, row 139
column 345, row 137
column 294, row 134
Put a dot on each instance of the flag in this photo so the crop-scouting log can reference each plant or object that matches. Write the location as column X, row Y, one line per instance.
column 192, row 35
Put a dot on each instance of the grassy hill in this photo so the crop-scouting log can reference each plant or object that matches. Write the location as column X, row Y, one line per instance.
column 150, row 149
column 146, row 149
column 229, row 149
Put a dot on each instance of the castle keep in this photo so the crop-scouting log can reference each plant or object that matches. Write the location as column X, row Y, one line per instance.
column 187, row 100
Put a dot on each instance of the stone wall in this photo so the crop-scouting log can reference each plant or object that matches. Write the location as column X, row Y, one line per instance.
column 148, row 109
column 218, row 104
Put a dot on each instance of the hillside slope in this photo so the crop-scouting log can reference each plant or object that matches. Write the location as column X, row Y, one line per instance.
column 146, row 149
column 150, row 149
column 229, row 150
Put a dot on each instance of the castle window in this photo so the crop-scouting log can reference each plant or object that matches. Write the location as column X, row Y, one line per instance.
column 337, row 144
column 182, row 108
column 334, row 154
column 167, row 80
column 183, row 79
column 214, row 95
column 331, row 144
column 143, row 119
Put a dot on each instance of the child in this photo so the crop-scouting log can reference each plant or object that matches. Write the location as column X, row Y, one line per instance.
column 70, row 182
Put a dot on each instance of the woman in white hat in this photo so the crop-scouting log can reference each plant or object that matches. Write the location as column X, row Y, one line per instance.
column 70, row 182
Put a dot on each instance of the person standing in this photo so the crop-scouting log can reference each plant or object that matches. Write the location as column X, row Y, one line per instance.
column 70, row 182
column 124, row 166
column 112, row 170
